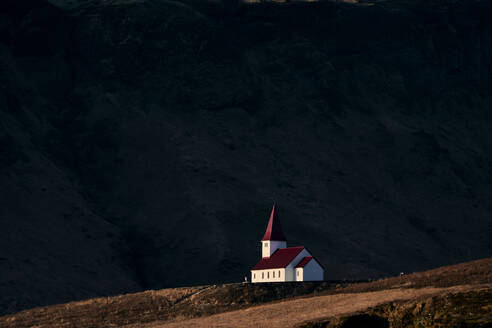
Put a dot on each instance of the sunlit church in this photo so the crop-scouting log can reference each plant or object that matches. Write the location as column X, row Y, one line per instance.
column 281, row 263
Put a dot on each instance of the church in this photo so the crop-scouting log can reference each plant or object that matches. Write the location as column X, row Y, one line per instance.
column 280, row 263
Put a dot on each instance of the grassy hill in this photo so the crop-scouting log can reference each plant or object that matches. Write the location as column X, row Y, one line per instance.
column 142, row 143
column 174, row 306
column 449, row 309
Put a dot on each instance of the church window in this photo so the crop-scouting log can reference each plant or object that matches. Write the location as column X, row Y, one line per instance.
column 268, row 274
column 266, row 244
column 262, row 275
column 298, row 273
column 273, row 274
column 254, row 275
column 279, row 273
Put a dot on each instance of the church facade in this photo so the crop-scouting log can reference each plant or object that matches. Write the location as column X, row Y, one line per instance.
column 280, row 263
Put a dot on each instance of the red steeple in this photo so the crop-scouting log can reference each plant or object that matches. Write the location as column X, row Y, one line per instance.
column 274, row 230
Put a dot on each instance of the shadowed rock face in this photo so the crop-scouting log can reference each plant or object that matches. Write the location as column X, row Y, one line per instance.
column 142, row 142
column 365, row 320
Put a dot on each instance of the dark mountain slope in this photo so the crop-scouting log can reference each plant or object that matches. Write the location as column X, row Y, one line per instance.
column 142, row 142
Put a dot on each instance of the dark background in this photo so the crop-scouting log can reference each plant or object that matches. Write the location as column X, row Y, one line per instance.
column 142, row 143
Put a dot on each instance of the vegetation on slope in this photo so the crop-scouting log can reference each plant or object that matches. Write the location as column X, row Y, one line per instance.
column 465, row 310
column 185, row 303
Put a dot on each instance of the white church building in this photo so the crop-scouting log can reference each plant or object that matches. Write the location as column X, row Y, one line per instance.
column 281, row 263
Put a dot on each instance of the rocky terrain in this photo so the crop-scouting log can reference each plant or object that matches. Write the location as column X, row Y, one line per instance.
column 142, row 143
column 456, row 309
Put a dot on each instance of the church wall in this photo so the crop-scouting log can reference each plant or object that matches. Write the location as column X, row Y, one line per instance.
column 313, row 271
column 270, row 246
column 299, row 274
column 290, row 270
column 268, row 275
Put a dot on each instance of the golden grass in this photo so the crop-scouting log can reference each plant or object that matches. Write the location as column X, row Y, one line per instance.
column 107, row 311
column 177, row 306
column 294, row 312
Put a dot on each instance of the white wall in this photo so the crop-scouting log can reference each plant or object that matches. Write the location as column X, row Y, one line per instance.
column 313, row 271
column 270, row 246
column 290, row 270
column 267, row 275
column 299, row 274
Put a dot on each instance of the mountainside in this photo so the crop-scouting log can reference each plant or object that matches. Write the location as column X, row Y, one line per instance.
column 142, row 143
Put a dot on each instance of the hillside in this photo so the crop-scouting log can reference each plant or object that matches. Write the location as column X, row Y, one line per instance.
column 295, row 313
column 457, row 309
column 313, row 300
column 143, row 142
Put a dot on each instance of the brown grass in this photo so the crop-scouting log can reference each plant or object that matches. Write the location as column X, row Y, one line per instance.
column 294, row 312
column 479, row 271
column 103, row 311
column 134, row 310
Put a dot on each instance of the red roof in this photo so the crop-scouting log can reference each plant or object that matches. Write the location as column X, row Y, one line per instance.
column 274, row 230
column 304, row 261
column 279, row 259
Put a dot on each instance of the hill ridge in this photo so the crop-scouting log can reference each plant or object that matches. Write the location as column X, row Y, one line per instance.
column 190, row 302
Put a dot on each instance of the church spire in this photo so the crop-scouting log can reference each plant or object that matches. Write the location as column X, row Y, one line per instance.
column 274, row 230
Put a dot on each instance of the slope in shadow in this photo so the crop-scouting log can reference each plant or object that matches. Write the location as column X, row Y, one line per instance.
column 366, row 321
